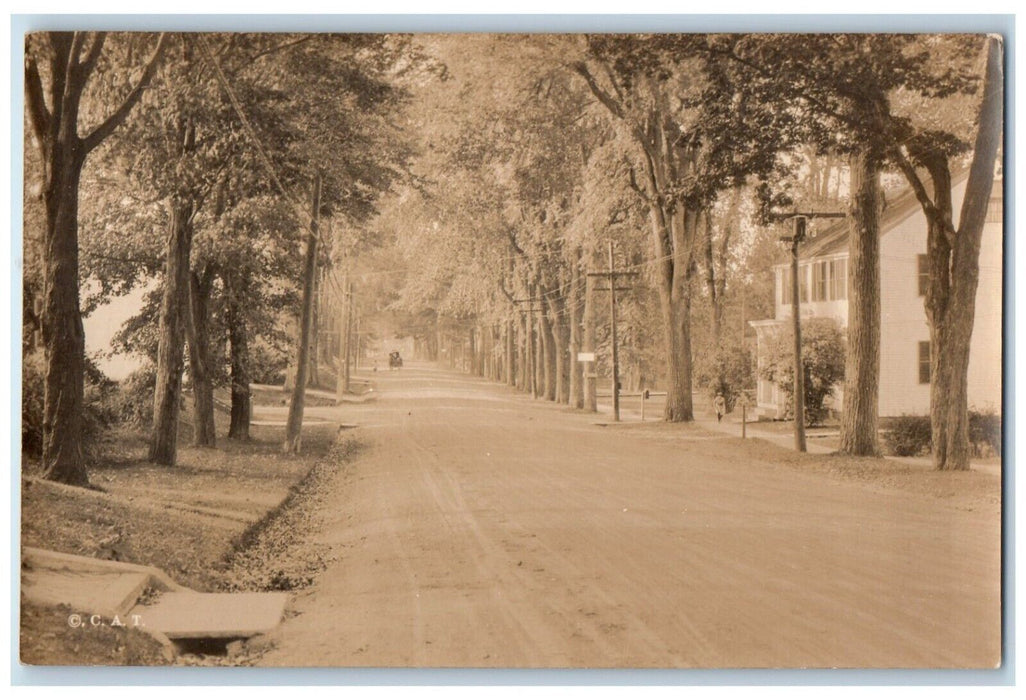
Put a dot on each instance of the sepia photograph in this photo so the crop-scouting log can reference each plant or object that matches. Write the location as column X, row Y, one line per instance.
column 511, row 350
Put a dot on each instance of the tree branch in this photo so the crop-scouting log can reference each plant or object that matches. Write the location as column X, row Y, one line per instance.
column 85, row 68
column 71, row 67
column 604, row 97
column 280, row 47
column 919, row 189
column 35, row 103
column 115, row 120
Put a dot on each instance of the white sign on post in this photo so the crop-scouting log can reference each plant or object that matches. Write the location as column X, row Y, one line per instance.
column 585, row 357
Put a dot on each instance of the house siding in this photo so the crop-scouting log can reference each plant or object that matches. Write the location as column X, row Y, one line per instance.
column 903, row 317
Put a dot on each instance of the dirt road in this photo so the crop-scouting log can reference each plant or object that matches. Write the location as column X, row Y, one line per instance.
column 481, row 528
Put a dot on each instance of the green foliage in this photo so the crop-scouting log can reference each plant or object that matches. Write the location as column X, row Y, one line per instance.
column 823, row 348
column 267, row 364
column 99, row 410
column 908, row 436
column 134, row 399
column 32, row 392
column 731, row 372
column 985, row 433
column 911, row 435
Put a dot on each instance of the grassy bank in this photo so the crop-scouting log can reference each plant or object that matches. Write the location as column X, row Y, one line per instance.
column 193, row 520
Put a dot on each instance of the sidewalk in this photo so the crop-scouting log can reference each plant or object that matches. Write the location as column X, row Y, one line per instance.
column 731, row 425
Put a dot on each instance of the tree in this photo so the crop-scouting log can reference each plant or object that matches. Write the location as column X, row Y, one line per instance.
column 954, row 253
column 823, row 360
column 875, row 98
column 57, row 105
column 695, row 134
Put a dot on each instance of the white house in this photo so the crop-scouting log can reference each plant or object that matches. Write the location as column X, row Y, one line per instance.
column 904, row 334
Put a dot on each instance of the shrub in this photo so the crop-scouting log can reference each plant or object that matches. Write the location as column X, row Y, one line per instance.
column 134, row 399
column 985, row 433
column 908, row 436
column 823, row 351
column 32, row 388
column 266, row 365
column 733, row 370
column 911, row 436
column 98, row 408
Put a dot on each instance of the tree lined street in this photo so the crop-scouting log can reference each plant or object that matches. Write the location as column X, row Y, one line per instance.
column 481, row 528
column 466, row 252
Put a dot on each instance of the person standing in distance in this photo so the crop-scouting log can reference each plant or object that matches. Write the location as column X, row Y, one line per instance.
column 720, row 406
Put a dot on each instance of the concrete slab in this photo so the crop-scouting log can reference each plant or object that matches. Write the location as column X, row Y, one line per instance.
column 33, row 558
column 90, row 592
column 189, row 615
column 87, row 585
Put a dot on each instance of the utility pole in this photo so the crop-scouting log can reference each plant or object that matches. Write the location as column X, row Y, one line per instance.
column 576, row 373
column 799, row 231
column 590, row 372
column 356, row 341
column 312, row 378
column 294, row 426
column 508, row 359
column 612, row 274
column 349, row 330
column 344, row 335
column 799, row 368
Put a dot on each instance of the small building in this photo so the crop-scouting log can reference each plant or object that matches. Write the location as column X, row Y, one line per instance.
column 904, row 333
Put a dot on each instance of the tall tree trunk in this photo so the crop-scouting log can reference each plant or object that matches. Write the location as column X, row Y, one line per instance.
column 52, row 108
column 530, row 339
column 590, row 380
column 716, row 302
column 676, row 312
column 171, row 331
column 522, row 353
column 561, row 333
column 508, row 359
column 551, row 313
column 859, row 416
column 674, row 285
column 294, row 422
column 312, row 378
column 238, row 340
column 548, row 355
column 576, row 390
column 954, row 261
column 198, row 336
column 62, row 333
column 475, row 351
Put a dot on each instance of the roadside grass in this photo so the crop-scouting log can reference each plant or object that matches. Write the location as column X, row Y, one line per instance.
column 189, row 520
column 48, row 640
column 967, row 489
column 964, row 489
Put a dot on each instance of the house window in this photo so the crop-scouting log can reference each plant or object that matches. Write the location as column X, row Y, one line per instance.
column 839, row 279
column 924, row 274
column 924, row 362
column 820, row 280
column 785, row 284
